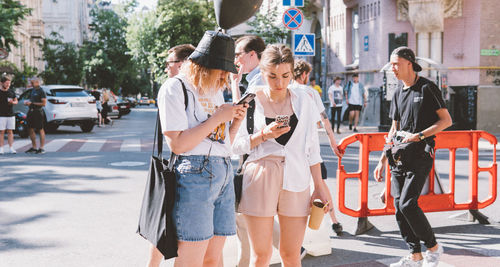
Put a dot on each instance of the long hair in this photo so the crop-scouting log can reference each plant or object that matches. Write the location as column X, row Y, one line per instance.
column 301, row 66
column 205, row 80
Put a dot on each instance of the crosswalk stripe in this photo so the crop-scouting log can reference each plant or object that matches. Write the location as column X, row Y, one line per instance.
column 17, row 144
column 131, row 145
column 72, row 146
column 56, row 144
column 111, row 145
column 93, row 145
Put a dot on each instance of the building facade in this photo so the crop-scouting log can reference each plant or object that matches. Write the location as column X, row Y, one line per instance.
column 29, row 35
column 68, row 18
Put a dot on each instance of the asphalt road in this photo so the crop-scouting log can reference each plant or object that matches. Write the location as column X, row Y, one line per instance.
column 78, row 205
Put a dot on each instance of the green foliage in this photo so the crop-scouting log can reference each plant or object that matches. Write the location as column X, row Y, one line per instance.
column 264, row 25
column 107, row 61
column 11, row 13
column 64, row 64
column 174, row 22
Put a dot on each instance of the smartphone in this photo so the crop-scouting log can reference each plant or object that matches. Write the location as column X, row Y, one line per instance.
column 246, row 98
column 285, row 119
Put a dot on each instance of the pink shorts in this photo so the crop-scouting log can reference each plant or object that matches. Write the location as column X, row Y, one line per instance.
column 263, row 194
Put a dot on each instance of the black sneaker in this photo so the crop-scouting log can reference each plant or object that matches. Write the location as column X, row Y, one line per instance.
column 303, row 252
column 31, row 151
column 337, row 228
column 40, row 151
column 350, row 126
column 355, row 130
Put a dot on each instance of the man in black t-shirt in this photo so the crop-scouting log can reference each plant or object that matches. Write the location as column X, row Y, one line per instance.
column 36, row 116
column 418, row 112
column 7, row 120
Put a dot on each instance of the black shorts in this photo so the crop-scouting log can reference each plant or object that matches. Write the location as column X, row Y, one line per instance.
column 36, row 118
column 355, row 107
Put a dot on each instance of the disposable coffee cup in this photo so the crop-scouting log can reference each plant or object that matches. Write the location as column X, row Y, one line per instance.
column 317, row 214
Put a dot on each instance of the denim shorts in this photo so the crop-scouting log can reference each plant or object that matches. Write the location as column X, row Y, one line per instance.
column 204, row 205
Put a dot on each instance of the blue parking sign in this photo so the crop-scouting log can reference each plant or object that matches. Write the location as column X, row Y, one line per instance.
column 299, row 3
column 303, row 44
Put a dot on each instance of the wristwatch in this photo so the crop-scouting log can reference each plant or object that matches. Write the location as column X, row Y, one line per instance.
column 421, row 136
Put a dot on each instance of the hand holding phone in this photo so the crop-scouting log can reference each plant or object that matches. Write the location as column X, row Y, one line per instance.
column 247, row 98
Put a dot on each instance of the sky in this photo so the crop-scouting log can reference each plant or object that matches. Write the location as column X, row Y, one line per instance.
column 148, row 3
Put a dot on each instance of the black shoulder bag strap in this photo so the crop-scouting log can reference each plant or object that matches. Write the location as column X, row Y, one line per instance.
column 158, row 139
column 250, row 123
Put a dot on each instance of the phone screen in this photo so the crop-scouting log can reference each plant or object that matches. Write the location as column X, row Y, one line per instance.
column 285, row 119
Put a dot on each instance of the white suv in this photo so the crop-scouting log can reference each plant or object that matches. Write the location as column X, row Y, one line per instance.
column 66, row 105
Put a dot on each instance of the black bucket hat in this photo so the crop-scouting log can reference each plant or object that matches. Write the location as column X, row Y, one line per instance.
column 215, row 51
column 407, row 54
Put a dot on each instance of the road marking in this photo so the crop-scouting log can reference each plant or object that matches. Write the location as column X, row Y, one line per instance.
column 17, row 144
column 73, row 146
column 111, row 145
column 56, row 144
column 131, row 145
column 92, row 145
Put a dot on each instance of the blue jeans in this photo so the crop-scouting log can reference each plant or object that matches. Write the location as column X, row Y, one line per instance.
column 204, row 204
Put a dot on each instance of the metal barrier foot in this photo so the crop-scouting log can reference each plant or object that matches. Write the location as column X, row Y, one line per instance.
column 476, row 215
column 363, row 226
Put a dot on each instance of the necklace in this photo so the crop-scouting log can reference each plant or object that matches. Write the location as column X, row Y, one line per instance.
column 271, row 104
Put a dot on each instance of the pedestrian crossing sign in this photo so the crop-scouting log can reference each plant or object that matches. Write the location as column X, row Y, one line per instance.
column 303, row 44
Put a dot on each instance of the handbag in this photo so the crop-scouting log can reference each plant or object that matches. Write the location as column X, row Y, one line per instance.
column 156, row 223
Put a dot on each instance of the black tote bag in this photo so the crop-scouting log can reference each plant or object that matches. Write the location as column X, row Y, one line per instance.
column 156, row 223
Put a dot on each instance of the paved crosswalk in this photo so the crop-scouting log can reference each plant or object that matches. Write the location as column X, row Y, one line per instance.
column 88, row 145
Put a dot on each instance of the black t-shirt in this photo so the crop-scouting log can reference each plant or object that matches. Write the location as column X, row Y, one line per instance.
column 283, row 139
column 36, row 96
column 5, row 107
column 96, row 95
column 415, row 107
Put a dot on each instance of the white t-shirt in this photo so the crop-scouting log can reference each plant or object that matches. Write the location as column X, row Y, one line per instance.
column 312, row 93
column 174, row 116
column 355, row 98
column 335, row 94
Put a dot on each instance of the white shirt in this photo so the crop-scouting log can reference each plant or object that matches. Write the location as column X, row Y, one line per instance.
column 300, row 152
column 312, row 93
column 355, row 98
column 174, row 117
column 335, row 95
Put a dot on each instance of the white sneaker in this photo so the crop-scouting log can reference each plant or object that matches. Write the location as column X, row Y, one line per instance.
column 431, row 259
column 12, row 150
column 1, row 150
column 407, row 262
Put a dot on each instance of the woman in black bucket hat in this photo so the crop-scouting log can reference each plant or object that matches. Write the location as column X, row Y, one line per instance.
column 199, row 128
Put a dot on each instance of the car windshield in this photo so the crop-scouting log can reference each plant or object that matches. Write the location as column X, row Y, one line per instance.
column 68, row 92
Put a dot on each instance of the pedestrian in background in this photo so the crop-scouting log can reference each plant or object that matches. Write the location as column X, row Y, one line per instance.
column 281, row 160
column 418, row 112
column 335, row 94
column 7, row 119
column 356, row 99
column 176, row 57
column 312, row 83
column 97, row 95
column 36, row 115
column 106, row 96
column 201, row 134
column 301, row 72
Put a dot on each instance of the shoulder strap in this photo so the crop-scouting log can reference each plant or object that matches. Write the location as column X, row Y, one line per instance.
column 184, row 90
column 250, row 116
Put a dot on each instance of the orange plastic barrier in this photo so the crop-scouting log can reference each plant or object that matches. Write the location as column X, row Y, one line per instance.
column 451, row 140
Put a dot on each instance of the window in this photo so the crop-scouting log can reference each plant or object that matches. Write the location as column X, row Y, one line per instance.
column 355, row 35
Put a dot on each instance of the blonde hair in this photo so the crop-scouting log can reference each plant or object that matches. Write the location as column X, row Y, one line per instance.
column 206, row 80
column 301, row 66
column 274, row 55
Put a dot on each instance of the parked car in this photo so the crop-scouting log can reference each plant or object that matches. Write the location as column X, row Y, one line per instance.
column 144, row 101
column 66, row 105
column 133, row 101
column 123, row 106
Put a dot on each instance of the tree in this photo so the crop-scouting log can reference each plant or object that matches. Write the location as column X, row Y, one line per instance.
column 264, row 25
column 63, row 61
column 174, row 22
column 11, row 14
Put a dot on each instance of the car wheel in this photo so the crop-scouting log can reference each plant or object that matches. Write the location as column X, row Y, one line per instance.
column 50, row 127
column 87, row 126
